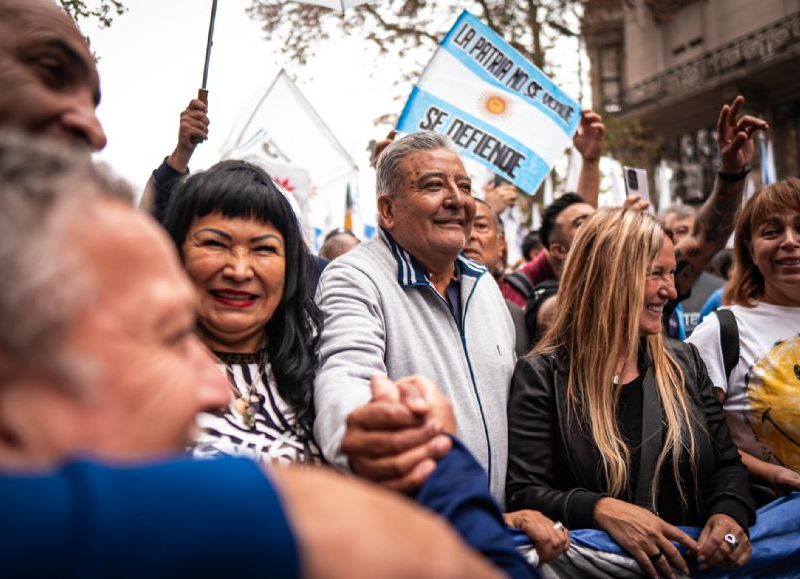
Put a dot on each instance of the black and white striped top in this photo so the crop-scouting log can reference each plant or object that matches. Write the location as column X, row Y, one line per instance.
column 274, row 438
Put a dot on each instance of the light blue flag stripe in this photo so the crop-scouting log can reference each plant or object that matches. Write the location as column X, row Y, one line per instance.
column 519, row 61
column 527, row 176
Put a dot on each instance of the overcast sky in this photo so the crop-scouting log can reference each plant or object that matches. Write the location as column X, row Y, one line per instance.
column 151, row 65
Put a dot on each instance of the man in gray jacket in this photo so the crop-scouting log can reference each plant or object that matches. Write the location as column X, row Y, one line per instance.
column 406, row 303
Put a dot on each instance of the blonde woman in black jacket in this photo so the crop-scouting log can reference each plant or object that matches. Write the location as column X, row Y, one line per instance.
column 612, row 426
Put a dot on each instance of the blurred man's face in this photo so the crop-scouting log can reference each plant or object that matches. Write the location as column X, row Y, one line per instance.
column 153, row 375
column 570, row 220
column 141, row 373
column 567, row 224
column 47, row 74
column 681, row 226
column 485, row 245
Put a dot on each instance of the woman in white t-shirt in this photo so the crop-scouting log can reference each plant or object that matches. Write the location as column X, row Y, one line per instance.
column 762, row 394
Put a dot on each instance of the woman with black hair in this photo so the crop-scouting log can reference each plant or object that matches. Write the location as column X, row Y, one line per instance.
column 242, row 247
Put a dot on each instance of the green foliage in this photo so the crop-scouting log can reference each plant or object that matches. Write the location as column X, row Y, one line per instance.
column 402, row 25
column 103, row 11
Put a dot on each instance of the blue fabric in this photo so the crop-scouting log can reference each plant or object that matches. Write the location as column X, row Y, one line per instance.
column 713, row 302
column 164, row 179
column 677, row 326
column 459, row 491
column 183, row 518
column 775, row 538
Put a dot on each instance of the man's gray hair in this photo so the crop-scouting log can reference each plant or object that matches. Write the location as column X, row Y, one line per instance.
column 388, row 168
column 44, row 282
column 680, row 210
column 498, row 221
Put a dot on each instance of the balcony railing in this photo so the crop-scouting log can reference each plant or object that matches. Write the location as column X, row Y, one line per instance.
column 758, row 47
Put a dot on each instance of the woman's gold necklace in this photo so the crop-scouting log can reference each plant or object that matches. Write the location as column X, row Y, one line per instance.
column 246, row 405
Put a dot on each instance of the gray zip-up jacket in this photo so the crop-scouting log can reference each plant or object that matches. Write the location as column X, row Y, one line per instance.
column 383, row 316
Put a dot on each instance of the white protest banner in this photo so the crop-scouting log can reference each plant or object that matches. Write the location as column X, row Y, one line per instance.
column 497, row 107
column 284, row 133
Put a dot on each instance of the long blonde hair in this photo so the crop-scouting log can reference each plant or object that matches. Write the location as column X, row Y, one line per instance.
column 600, row 301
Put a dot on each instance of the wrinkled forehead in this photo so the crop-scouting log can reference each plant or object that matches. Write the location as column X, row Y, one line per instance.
column 125, row 249
column 574, row 214
column 483, row 211
column 774, row 214
column 27, row 24
column 440, row 160
column 24, row 17
column 673, row 219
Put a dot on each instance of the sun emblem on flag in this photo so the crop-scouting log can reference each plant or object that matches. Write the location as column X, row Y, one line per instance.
column 495, row 104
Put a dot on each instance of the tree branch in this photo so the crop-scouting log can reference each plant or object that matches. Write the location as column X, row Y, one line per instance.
column 398, row 29
column 487, row 14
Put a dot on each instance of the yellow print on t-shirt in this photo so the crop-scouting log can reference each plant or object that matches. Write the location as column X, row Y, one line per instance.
column 773, row 393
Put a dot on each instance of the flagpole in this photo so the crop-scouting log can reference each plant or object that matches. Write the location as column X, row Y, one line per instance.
column 202, row 94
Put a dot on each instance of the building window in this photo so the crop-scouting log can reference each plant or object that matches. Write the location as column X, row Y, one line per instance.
column 611, row 78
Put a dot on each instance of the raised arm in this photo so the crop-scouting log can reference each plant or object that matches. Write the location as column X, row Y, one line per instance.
column 589, row 142
column 192, row 130
column 717, row 217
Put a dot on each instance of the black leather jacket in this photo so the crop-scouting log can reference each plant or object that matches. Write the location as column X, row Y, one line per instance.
column 556, row 469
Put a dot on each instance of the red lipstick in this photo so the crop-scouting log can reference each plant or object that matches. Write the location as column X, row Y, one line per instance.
column 233, row 298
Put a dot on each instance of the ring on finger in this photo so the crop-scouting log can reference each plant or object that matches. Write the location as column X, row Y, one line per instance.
column 655, row 557
column 731, row 540
column 559, row 526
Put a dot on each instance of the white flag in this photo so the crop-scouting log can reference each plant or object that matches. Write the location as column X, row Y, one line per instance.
column 286, row 135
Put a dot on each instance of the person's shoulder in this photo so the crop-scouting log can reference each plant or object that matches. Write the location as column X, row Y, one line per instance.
column 538, row 269
column 542, row 362
column 515, row 310
column 686, row 355
column 537, row 375
column 677, row 347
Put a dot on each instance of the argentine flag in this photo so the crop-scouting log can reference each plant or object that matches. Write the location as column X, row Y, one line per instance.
column 498, row 108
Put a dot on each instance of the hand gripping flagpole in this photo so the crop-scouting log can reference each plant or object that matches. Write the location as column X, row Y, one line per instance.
column 202, row 94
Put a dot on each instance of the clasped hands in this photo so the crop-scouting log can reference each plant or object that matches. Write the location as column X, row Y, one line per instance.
column 397, row 437
column 649, row 539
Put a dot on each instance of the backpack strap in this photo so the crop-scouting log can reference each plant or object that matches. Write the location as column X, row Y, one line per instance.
column 520, row 282
column 728, row 340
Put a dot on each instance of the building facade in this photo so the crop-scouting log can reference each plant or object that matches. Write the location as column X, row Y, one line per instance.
column 670, row 64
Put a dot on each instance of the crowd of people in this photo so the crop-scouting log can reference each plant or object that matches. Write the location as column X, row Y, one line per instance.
column 186, row 390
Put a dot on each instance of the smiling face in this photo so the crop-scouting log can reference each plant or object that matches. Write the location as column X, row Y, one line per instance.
column 238, row 267
column 659, row 289
column 431, row 215
column 775, row 249
column 49, row 79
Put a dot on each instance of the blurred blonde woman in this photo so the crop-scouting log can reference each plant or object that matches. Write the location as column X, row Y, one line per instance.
column 611, row 425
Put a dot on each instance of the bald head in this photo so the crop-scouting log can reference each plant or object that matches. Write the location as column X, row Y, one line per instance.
column 49, row 79
column 338, row 244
